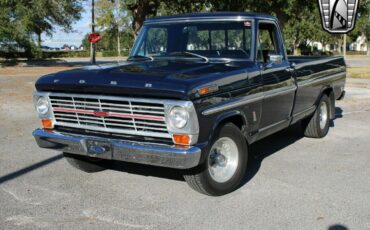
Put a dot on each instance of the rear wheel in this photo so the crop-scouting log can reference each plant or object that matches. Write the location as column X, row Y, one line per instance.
column 225, row 163
column 318, row 125
column 85, row 164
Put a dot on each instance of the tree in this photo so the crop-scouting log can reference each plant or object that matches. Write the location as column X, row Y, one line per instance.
column 229, row 5
column 363, row 23
column 21, row 20
column 171, row 7
column 109, row 21
column 139, row 10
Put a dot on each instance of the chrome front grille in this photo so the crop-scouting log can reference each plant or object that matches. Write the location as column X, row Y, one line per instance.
column 110, row 114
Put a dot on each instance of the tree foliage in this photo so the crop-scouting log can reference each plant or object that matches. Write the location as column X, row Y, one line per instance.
column 363, row 22
column 22, row 20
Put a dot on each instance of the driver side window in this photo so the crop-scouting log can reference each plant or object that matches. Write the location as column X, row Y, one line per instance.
column 267, row 42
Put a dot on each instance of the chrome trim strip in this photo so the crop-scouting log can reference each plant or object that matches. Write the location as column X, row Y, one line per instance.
column 102, row 97
column 116, row 130
column 235, row 103
column 272, row 93
column 320, row 80
column 279, row 91
column 142, row 153
column 199, row 19
column 249, row 99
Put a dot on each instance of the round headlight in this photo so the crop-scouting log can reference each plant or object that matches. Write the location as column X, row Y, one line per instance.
column 42, row 106
column 178, row 117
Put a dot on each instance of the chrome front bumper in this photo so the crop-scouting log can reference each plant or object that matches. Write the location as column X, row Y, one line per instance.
column 112, row 149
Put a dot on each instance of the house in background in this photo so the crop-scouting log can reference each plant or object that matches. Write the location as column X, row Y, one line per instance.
column 65, row 47
column 73, row 48
column 360, row 44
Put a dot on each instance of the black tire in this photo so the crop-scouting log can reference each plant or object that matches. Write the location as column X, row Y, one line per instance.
column 200, row 178
column 85, row 164
column 312, row 127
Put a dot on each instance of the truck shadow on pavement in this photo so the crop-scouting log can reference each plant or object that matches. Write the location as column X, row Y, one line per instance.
column 30, row 168
column 257, row 153
column 264, row 148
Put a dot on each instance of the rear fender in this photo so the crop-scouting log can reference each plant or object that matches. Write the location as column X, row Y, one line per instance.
column 328, row 90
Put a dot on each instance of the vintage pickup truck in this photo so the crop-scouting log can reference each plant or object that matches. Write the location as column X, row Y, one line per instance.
column 195, row 92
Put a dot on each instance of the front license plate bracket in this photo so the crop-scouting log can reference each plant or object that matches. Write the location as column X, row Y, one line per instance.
column 99, row 149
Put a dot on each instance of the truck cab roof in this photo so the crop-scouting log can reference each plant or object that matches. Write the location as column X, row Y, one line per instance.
column 210, row 16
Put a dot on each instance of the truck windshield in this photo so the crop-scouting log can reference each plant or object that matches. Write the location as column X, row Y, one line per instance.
column 197, row 40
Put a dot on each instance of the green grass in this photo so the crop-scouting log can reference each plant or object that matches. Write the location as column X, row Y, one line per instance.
column 359, row 72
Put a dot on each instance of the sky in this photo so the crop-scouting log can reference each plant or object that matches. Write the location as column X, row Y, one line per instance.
column 81, row 28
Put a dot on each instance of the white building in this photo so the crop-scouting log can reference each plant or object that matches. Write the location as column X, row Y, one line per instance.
column 360, row 44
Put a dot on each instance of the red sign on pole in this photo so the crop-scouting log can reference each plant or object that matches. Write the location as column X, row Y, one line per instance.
column 94, row 37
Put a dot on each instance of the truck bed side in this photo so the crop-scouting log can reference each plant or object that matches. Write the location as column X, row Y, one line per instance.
column 313, row 76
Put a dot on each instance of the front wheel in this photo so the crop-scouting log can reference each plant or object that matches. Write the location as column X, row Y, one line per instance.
column 225, row 165
column 318, row 125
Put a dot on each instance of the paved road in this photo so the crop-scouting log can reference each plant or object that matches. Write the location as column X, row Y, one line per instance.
column 358, row 61
column 293, row 182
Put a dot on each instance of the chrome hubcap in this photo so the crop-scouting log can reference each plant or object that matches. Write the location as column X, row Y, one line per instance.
column 223, row 159
column 323, row 114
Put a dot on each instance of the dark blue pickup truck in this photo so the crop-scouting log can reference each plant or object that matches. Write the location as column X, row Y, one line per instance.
column 195, row 92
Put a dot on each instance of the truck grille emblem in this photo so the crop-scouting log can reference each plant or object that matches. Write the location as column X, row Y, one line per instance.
column 101, row 113
column 338, row 16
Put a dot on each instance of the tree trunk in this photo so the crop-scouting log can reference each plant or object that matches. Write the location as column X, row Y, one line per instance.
column 140, row 10
column 118, row 44
column 39, row 40
column 344, row 44
column 295, row 49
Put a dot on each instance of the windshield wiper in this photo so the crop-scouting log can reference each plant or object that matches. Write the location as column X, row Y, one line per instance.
column 182, row 53
column 139, row 57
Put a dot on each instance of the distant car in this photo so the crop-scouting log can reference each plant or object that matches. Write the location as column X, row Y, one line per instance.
column 196, row 110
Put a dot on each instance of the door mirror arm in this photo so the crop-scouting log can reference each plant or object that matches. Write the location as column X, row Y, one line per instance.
column 273, row 60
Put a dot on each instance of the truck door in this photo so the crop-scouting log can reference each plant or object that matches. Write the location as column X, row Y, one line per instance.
column 278, row 82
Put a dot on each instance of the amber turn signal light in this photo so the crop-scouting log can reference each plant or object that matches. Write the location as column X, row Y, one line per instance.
column 181, row 139
column 207, row 89
column 47, row 123
column 204, row 90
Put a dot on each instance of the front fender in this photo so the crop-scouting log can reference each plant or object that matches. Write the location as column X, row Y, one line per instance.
column 234, row 116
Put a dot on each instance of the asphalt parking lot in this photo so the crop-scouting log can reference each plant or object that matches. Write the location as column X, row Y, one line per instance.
column 292, row 182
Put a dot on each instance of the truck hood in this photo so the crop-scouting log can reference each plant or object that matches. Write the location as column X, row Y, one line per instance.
column 162, row 79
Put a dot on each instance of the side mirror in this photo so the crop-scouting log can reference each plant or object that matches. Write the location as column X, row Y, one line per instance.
column 275, row 59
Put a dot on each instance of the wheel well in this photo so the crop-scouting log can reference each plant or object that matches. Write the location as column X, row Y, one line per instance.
column 327, row 91
column 237, row 120
column 330, row 93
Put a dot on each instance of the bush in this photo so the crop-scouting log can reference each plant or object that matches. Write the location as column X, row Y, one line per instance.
column 65, row 54
column 11, row 55
column 111, row 54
